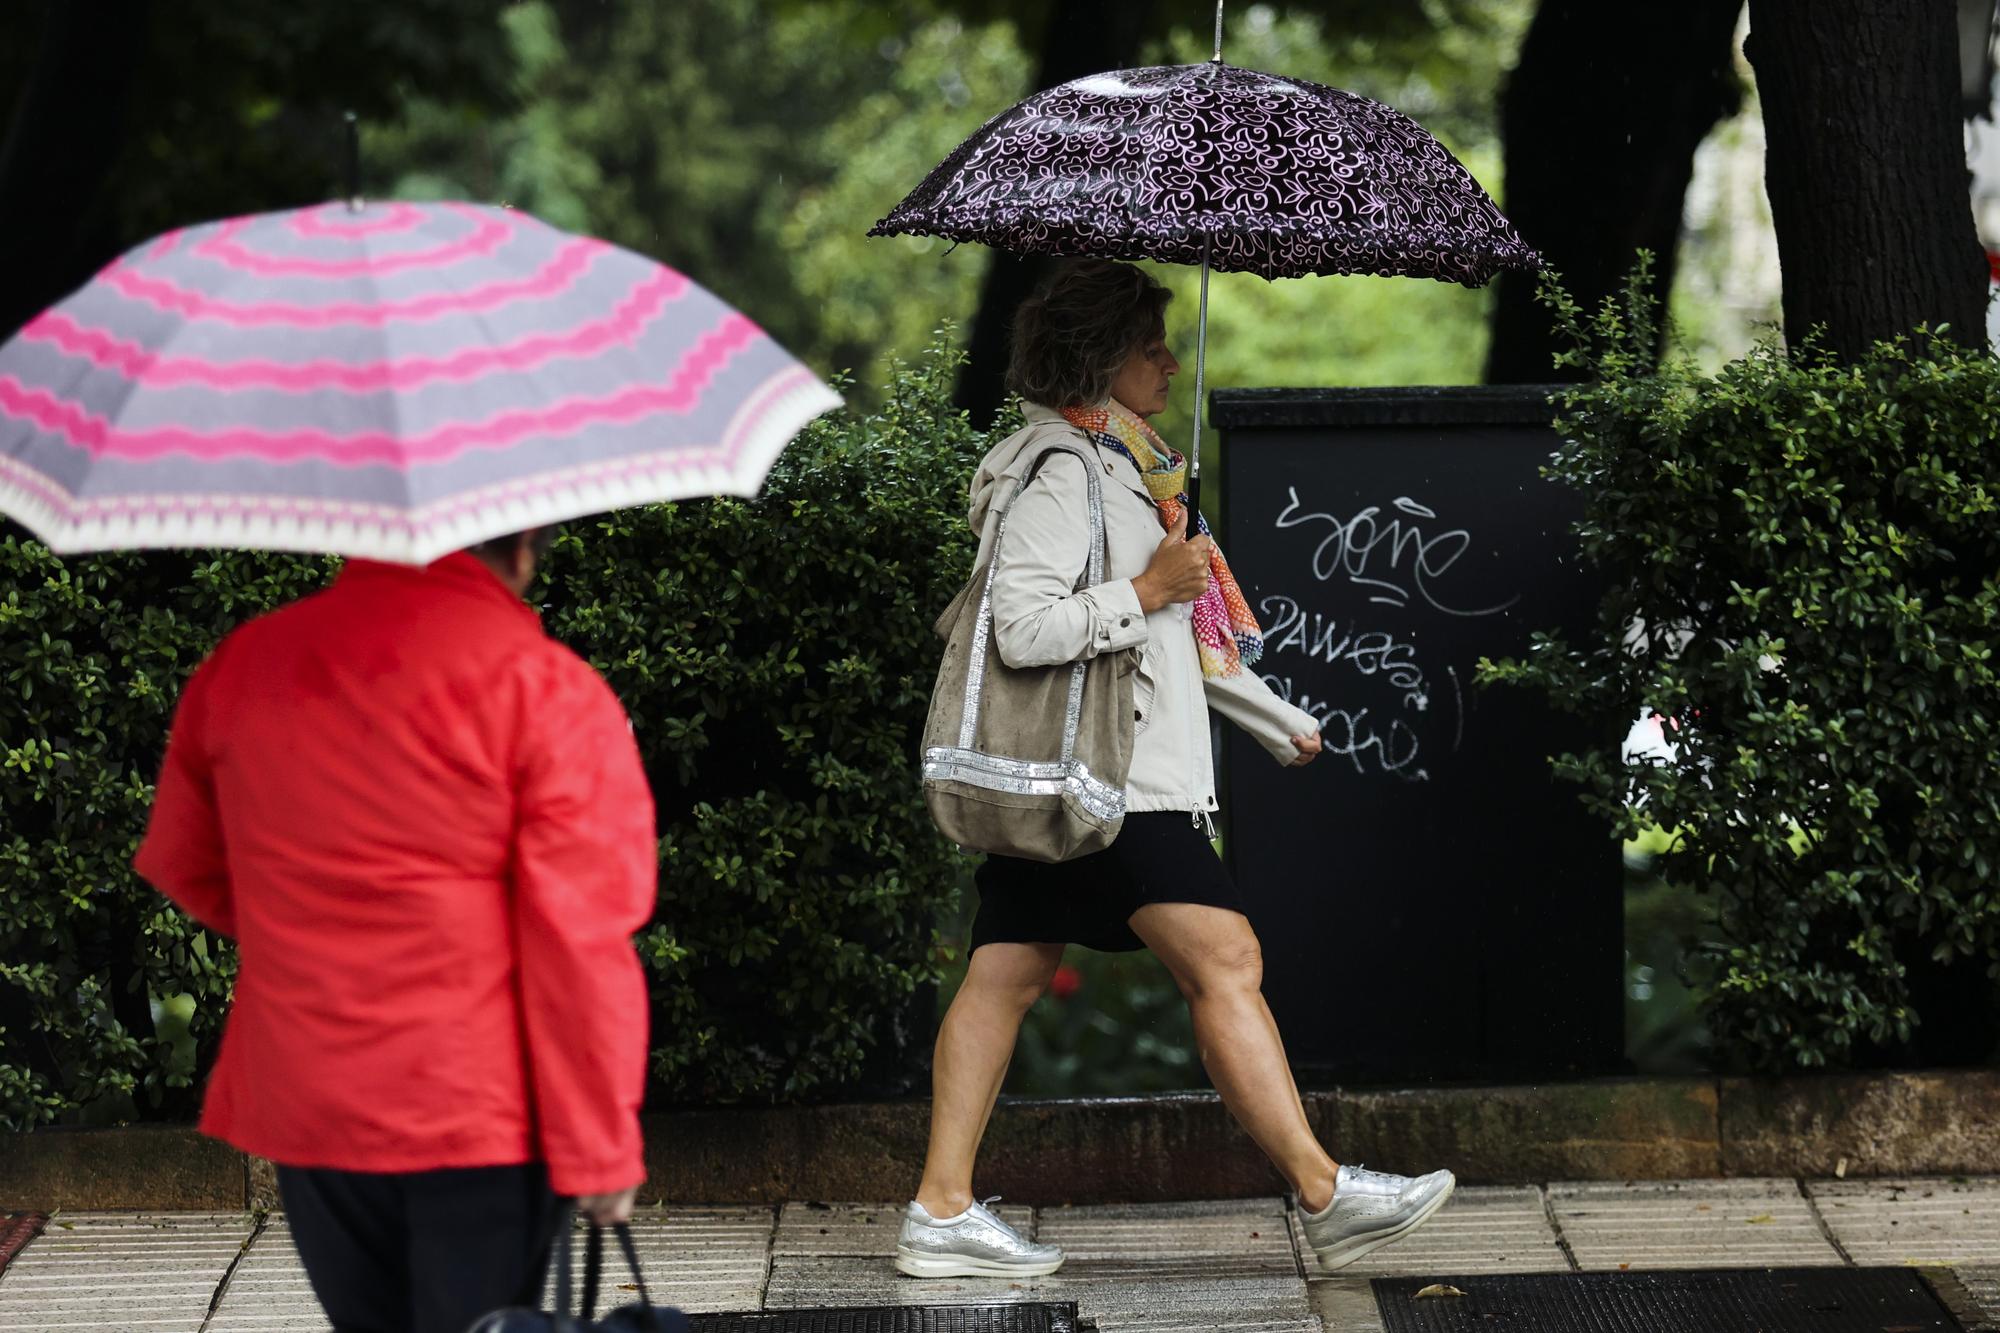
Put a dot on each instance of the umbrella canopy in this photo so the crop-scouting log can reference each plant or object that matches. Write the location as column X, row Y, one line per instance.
column 396, row 381
column 1211, row 163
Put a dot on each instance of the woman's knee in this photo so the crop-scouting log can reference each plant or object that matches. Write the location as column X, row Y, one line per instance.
column 1207, row 949
column 1228, row 966
column 1011, row 976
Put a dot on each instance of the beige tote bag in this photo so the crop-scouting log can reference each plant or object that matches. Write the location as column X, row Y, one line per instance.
column 1027, row 761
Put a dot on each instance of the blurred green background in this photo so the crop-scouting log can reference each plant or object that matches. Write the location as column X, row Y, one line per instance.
column 751, row 143
column 767, row 197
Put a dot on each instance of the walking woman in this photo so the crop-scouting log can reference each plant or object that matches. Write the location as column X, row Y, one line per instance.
column 1091, row 361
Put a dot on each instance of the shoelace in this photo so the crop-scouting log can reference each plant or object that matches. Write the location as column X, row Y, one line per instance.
column 984, row 1207
column 1362, row 1174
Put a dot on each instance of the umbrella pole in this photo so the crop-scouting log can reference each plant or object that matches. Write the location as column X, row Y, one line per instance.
column 353, row 173
column 1200, row 374
column 1201, row 349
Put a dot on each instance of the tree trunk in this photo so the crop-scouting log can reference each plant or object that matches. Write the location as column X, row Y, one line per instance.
column 1079, row 37
column 1600, row 120
column 1866, row 170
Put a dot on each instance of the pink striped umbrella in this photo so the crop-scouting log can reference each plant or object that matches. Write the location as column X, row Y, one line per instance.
column 395, row 382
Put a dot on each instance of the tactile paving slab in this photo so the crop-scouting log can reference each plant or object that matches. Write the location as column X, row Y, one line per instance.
column 1485, row 1229
column 1038, row 1318
column 698, row 1259
column 269, row 1291
column 1982, row 1287
column 119, row 1271
column 860, row 1230
column 1199, row 1267
column 1689, row 1224
column 1784, row 1300
column 1913, row 1221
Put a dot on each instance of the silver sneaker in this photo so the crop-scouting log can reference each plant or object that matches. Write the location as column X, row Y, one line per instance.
column 1371, row 1209
column 976, row 1243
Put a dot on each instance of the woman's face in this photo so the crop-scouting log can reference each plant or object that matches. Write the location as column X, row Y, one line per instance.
column 1143, row 382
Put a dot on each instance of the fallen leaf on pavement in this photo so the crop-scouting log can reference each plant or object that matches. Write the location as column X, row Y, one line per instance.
column 1437, row 1289
column 1759, row 1220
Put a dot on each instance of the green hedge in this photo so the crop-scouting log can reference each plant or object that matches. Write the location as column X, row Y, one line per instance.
column 1804, row 566
column 776, row 657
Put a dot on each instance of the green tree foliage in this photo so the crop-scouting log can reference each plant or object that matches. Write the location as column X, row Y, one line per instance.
column 776, row 657
column 1804, row 569
column 752, row 145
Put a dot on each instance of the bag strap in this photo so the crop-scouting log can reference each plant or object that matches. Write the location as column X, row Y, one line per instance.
column 982, row 630
column 593, row 1270
column 565, row 1239
column 1093, row 565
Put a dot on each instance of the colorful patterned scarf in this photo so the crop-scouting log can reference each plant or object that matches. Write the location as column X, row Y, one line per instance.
column 1225, row 631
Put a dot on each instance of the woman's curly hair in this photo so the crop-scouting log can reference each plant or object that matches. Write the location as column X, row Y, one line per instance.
column 1072, row 336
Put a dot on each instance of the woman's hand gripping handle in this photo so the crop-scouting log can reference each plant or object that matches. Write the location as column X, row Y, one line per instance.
column 1178, row 571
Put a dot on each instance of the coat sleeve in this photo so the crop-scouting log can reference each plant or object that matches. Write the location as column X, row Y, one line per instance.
column 586, row 869
column 1038, row 620
column 1246, row 700
column 183, row 855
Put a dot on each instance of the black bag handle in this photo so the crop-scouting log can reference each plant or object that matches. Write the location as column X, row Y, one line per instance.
column 565, row 1225
column 593, row 1270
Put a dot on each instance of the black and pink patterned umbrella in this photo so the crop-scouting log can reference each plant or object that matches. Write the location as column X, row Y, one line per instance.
column 1191, row 163
column 1219, row 166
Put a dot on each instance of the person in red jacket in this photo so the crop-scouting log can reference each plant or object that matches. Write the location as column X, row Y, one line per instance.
column 425, row 824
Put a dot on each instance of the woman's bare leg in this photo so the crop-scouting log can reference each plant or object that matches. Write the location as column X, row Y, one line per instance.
column 1215, row 958
column 974, row 1044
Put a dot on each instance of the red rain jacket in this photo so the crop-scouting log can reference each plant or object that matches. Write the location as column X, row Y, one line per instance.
column 425, row 824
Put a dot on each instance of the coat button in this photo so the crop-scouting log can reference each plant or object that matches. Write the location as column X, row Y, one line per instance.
column 1107, row 469
column 1124, row 622
column 1138, row 716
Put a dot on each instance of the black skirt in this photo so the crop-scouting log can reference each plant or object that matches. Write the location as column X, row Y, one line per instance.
column 1159, row 856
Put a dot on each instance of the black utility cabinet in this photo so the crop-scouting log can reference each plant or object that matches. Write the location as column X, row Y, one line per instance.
column 1432, row 901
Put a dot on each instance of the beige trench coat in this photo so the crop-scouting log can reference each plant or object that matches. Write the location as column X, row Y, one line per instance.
column 1038, row 620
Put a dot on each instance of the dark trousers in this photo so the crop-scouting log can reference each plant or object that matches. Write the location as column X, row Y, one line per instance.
column 422, row 1252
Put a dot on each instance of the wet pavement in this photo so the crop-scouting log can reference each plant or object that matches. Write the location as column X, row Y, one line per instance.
column 1239, row 1265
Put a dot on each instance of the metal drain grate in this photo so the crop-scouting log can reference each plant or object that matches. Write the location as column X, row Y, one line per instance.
column 1756, row 1300
column 1022, row 1318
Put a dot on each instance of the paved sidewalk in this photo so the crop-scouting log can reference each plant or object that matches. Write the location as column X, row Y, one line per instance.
column 1239, row 1266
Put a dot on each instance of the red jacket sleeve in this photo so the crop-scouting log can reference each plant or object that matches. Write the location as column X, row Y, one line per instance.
column 182, row 854
column 586, row 867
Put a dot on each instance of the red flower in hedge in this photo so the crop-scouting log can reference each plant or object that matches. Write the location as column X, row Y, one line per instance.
column 1066, row 982
column 1993, row 264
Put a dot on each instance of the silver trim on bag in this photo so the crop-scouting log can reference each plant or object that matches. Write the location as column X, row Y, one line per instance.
column 975, row 667
column 1065, row 777
column 1025, row 777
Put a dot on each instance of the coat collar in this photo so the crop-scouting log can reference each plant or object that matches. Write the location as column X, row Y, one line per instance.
column 1116, row 465
column 1113, row 461
column 460, row 572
